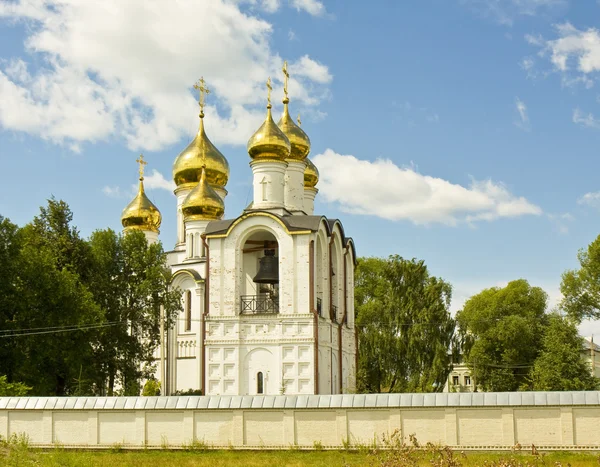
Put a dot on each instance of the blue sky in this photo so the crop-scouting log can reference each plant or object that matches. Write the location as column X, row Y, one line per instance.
column 462, row 132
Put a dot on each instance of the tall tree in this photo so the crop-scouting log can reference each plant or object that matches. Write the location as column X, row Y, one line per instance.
column 581, row 287
column 130, row 282
column 501, row 331
column 559, row 367
column 10, row 247
column 55, row 345
column 404, row 324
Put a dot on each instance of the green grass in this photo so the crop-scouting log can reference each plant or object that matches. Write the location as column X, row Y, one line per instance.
column 23, row 456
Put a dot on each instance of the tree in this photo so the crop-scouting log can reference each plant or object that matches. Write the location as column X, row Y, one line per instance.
column 57, row 315
column 559, row 367
column 404, row 325
column 130, row 282
column 10, row 246
column 581, row 288
column 12, row 389
column 501, row 331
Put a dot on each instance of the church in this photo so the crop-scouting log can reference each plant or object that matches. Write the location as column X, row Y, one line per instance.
column 268, row 296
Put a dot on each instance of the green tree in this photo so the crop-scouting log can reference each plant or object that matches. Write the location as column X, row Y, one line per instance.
column 581, row 287
column 10, row 247
column 130, row 282
column 404, row 325
column 501, row 331
column 55, row 320
column 12, row 389
column 560, row 366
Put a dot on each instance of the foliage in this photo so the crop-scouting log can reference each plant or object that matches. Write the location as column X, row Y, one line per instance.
column 130, row 282
column 501, row 331
column 77, row 316
column 151, row 388
column 559, row 366
column 581, row 288
column 188, row 392
column 12, row 389
column 404, row 325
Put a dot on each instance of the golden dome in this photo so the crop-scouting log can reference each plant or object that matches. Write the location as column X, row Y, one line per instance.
column 201, row 152
column 311, row 174
column 203, row 202
column 300, row 143
column 141, row 213
column 269, row 142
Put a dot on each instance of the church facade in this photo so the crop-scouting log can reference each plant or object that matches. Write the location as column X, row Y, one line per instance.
column 268, row 296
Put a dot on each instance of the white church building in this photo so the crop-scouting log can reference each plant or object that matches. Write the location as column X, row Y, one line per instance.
column 268, row 296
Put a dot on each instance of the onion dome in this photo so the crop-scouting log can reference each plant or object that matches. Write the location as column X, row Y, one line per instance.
column 141, row 213
column 203, row 202
column 201, row 152
column 269, row 142
column 311, row 174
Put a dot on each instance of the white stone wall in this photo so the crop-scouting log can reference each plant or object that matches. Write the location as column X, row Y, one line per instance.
column 484, row 421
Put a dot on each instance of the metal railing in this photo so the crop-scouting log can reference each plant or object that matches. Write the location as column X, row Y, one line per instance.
column 259, row 304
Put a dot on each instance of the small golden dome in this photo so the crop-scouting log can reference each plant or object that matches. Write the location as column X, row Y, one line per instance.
column 201, row 152
column 311, row 174
column 141, row 213
column 300, row 143
column 203, row 202
column 269, row 142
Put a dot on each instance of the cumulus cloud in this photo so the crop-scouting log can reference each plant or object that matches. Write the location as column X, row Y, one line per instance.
column 312, row 7
column 508, row 11
column 112, row 191
column 523, row 119
column 391, row 192
column 158, row 181
column 113, row 69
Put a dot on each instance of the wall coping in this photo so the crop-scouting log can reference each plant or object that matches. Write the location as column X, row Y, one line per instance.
column 359, row 401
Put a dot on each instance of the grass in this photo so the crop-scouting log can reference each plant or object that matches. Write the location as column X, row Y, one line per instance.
column 24, row 456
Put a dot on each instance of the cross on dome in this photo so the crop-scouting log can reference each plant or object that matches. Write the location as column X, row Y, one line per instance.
column 140, row 160
column 203, row 92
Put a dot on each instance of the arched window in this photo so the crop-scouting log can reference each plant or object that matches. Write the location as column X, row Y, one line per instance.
column 188, row 311
column 259, row 383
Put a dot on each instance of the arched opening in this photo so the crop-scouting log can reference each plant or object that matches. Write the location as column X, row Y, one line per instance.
column 188, row 311
column 260, row 274
column 259, row 383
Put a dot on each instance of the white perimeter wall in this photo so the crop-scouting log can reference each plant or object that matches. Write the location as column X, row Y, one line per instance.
column 573, row 420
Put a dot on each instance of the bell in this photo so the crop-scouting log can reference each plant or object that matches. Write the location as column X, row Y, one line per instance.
column 268, row 271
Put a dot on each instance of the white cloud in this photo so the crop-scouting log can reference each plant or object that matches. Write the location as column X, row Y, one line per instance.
column 523, row 121
column 390, row 192
column 590, row 199
column 158, row 181
column 271, row 6
column 508, row 11
column 113, row 69
column 312, row 7
column 561, row 222
column 587, row 120
column 112, row 191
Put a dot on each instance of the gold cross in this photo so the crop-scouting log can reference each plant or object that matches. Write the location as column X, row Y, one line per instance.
column 286, row 77
column 204, row 91
column 140, row 160
column 299, row 121
column 270, row 88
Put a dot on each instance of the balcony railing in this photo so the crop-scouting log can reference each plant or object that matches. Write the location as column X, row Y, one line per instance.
column 319, row 306
column 259, row 304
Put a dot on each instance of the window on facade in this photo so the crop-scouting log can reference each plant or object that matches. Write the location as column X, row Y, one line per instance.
column 455, row 380
column 259, row 383
column 467, row 381
column 188, row 311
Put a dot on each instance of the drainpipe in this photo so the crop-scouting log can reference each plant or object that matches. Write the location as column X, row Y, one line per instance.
column 311, row 295
column 204, row 315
